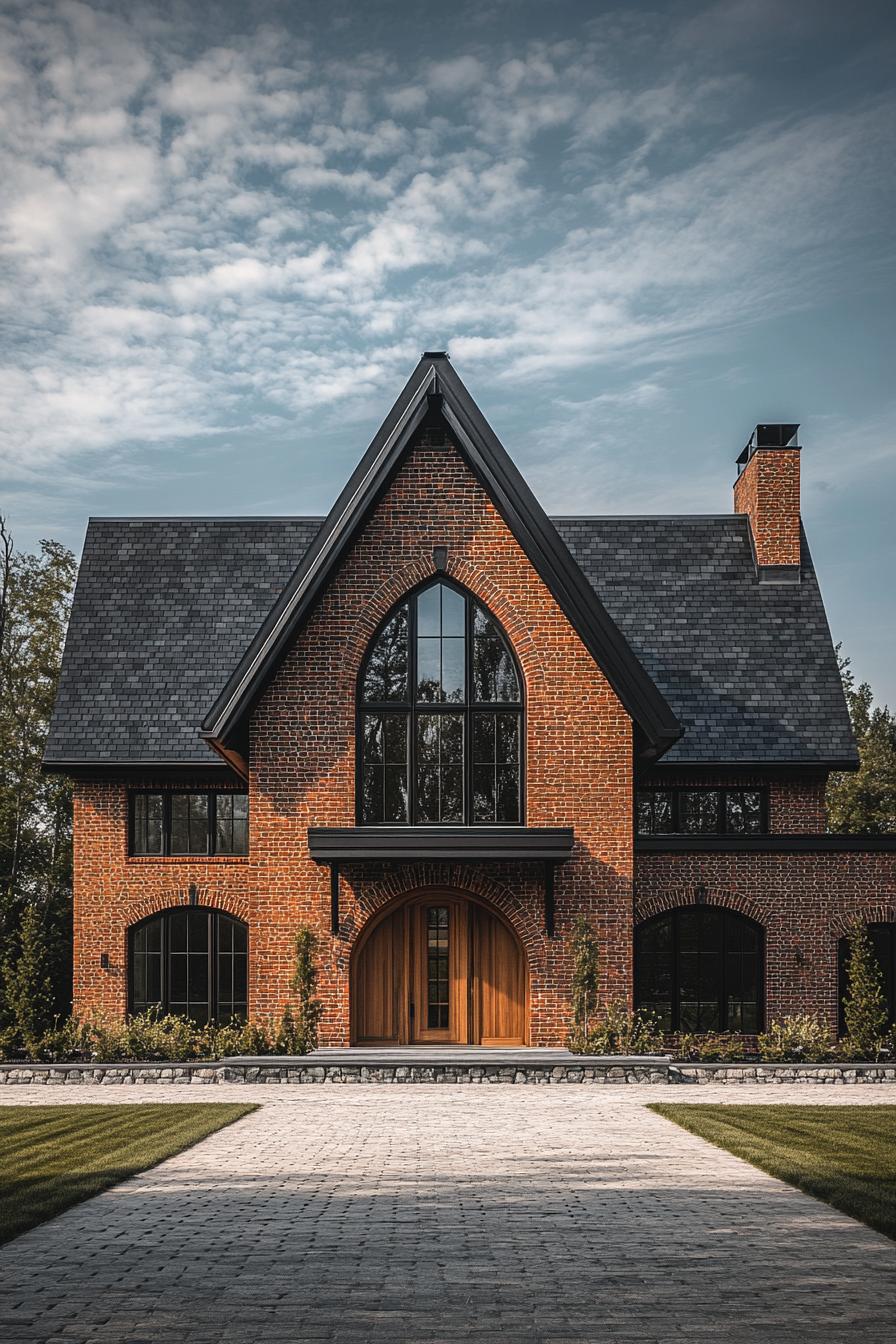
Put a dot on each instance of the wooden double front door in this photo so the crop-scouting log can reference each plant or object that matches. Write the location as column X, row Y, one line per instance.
column 439, row 970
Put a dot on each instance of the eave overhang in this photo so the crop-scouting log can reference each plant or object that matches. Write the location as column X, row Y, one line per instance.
column 407, row 844
column 435, row 389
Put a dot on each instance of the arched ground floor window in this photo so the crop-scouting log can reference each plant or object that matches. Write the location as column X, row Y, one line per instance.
column 883, row 940
column 701, row 968
column 189, row 961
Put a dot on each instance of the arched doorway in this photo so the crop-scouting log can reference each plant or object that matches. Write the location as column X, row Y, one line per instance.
column 439, row 968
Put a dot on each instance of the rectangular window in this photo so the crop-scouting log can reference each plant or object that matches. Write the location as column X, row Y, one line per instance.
column 183, row 824
column 682, row 811
column 231, row 823
column 189, row 823
column 147, row 825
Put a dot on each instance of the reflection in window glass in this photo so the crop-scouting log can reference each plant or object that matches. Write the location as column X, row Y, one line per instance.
column 189, row 823
column 418, row 725
column 191, row 962
column 698, row 811
column 699, row 968
column 148, row 823
column 232, row 823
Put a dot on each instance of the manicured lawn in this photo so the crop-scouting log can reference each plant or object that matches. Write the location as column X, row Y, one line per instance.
column 54, row 1156
column 845, row 1155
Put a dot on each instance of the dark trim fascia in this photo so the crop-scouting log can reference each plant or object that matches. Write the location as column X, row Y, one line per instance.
column 354, row 844
column 360, row 494
column 765, row 844
column 553, row 560
column 664, row 771
column 658, row 727
column 79, row 769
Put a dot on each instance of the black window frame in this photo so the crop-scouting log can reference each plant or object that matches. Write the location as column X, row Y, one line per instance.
column 888, row 971
column 729, row 916
column 215, row 916
column 675, row 792
column 211, row 851
column 411, row 709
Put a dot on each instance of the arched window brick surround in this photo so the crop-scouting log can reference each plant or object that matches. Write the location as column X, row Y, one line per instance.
column 482, row 588
column 679, row 896
column 230, row 904
column 882, row 913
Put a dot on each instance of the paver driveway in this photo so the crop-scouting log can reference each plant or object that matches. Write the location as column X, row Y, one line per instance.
column 444, row 1213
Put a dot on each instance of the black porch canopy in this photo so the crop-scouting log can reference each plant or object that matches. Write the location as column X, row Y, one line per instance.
column 337, row 845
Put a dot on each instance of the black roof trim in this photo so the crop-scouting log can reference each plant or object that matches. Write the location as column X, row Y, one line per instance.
column 355, row 844
column 771, row 767
column 657, row 724
column 765, row 844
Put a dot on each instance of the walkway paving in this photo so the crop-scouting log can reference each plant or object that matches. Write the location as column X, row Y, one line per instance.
column 449, row 1213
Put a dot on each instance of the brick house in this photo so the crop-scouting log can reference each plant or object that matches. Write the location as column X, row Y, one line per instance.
column 436, row 726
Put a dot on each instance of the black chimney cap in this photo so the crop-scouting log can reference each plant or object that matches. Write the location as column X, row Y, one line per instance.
column 770, row 436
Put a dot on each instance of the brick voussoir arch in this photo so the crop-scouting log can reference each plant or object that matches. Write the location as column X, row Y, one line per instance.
column 238, row 906
column 881, row 912
column 676, row 897
column 389, row 594
column 373, row 897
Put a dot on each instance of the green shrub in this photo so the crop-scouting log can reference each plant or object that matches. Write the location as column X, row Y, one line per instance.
column 710, row 1048
column 800, row 1038
column 864, row 1005
column 305, row 1021
column 619, row 1032
column 585, row 955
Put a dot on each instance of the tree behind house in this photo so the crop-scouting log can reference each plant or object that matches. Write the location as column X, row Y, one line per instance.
column 35, row 809
column 864, row 802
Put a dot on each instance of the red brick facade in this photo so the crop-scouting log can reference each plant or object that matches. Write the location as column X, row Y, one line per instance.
column 579, row 770
column 579, row 773
column 804, row 902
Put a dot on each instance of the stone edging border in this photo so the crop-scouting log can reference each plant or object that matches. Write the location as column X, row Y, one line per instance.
column 588, row 1072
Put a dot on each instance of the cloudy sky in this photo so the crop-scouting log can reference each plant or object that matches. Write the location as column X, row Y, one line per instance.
column 227, row 232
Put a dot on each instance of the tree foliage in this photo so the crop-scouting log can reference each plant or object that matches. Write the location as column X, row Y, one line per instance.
column 35, row 808
column 864, row 802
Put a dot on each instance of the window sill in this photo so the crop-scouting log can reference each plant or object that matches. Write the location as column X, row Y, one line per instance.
column 168, row 859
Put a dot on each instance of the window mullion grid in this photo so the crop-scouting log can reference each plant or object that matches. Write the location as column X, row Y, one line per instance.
column 211, row 843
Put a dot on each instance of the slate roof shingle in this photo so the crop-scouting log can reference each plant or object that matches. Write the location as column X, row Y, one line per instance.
column 166, row 607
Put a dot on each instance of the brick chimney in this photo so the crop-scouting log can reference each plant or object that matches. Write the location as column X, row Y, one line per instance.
column 767, row 490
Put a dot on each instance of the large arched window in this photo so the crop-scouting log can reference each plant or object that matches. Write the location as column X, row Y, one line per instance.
column 190, row 961
column 883, row 940
column 700, row 968
column 440, row 716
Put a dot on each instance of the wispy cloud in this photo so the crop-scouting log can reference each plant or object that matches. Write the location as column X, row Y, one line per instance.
column 198, row 235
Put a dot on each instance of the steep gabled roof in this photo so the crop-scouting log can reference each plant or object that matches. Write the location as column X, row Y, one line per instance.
column 165, row 607
column 434, row 387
